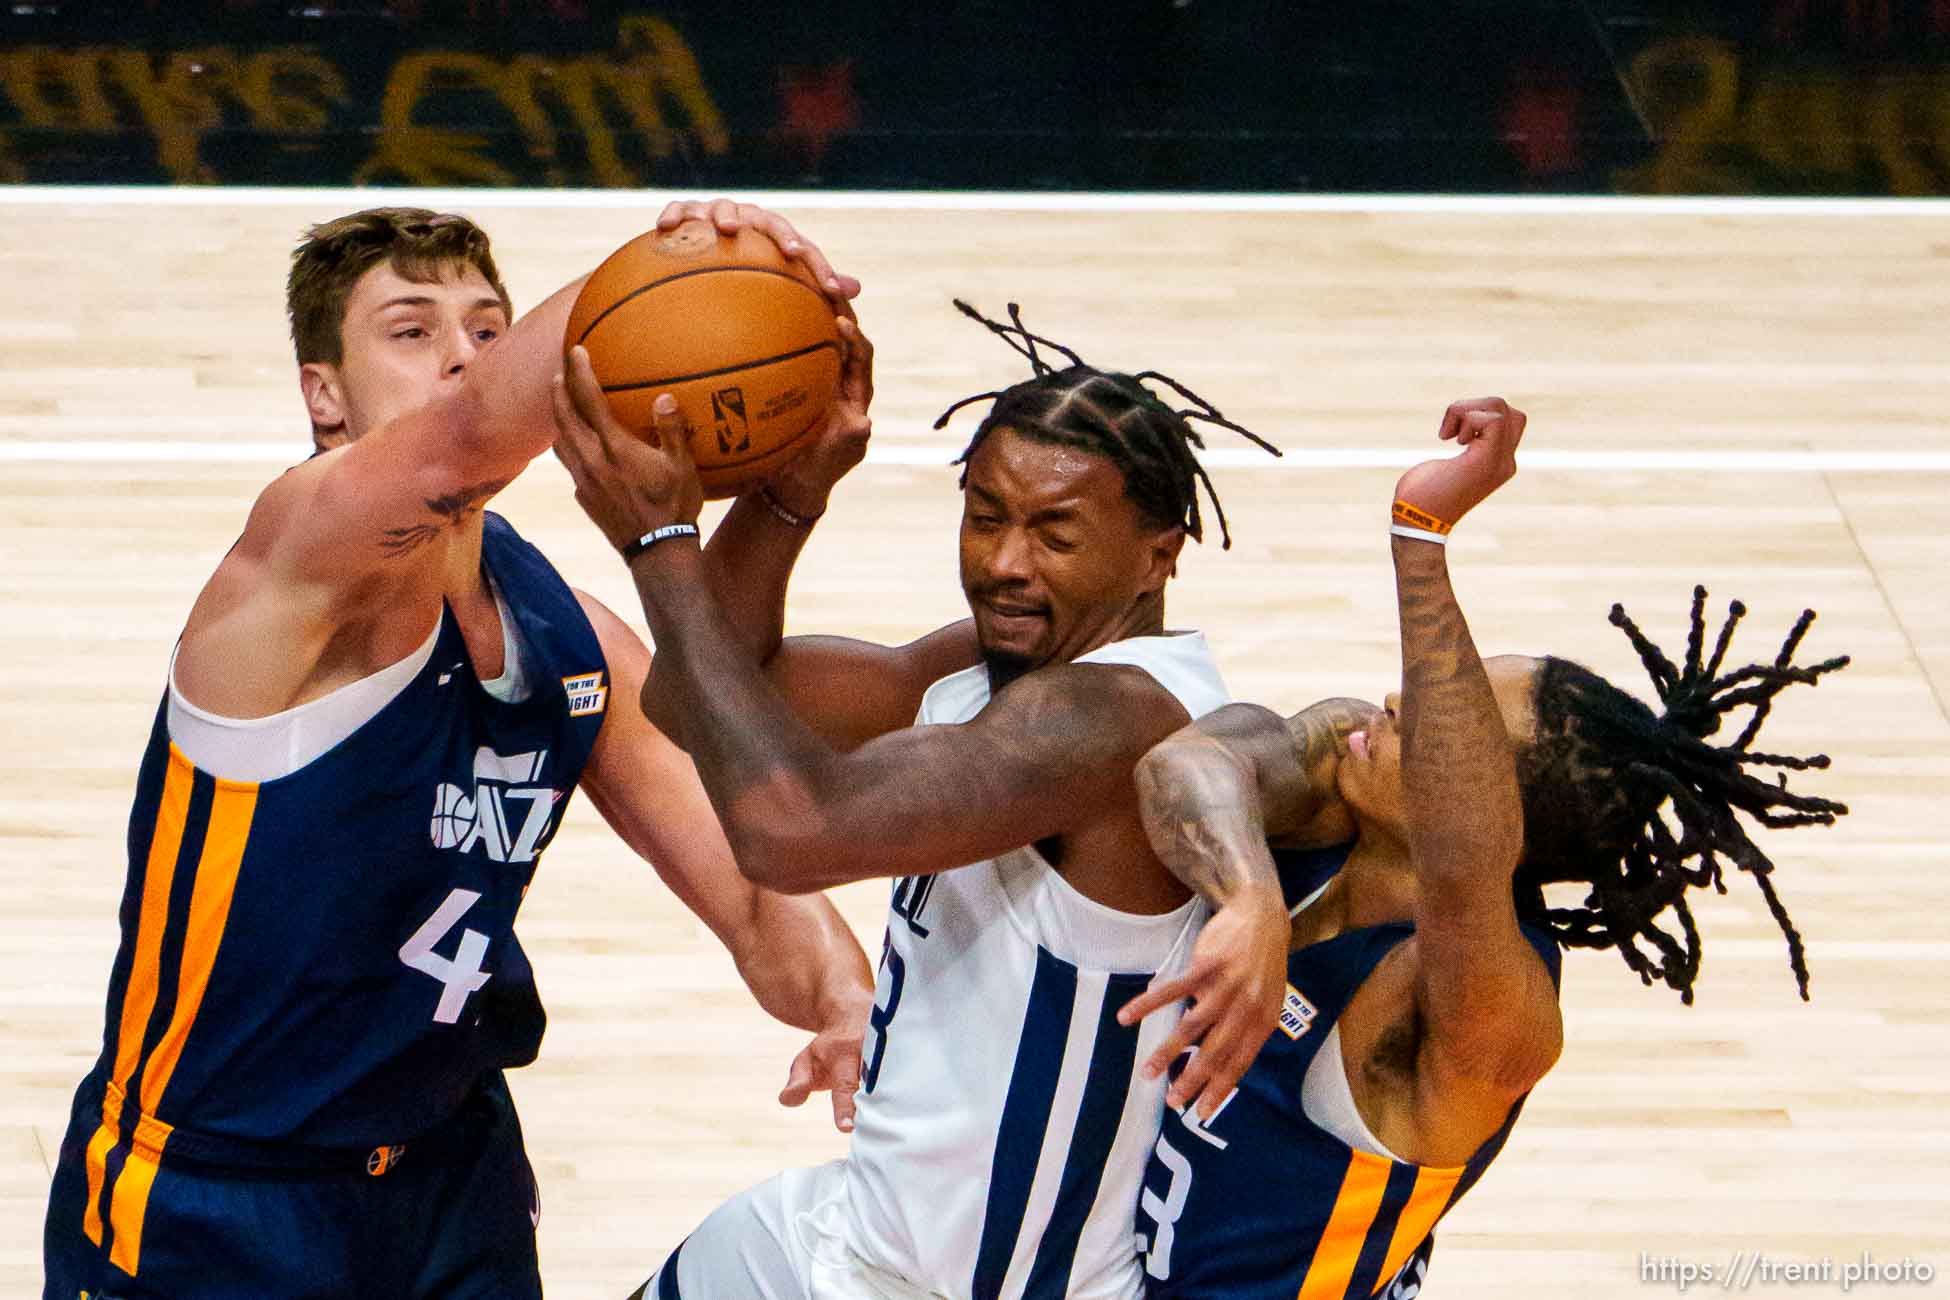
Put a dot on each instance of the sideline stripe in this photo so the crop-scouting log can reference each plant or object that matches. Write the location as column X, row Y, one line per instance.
column 290, row 452
column 648, row 201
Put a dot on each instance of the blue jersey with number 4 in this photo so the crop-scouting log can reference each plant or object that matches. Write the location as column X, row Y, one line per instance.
column 328, row 958
column 1262, row 1203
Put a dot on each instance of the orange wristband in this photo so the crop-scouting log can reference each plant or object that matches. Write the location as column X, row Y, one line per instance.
column 1416, row 518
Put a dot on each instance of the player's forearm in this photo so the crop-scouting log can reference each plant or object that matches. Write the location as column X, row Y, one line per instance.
column 802, row 963
column 747, row 566
column 505, row 413
column 1459, row 784
column 765, row 771
column 1200, row 804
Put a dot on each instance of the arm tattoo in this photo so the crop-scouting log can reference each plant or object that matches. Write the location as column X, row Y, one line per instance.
column 1319, row 732
column 397, row 542
column 456, row 505
column 1200, row 805
column 453, row 508
column 1453, row 734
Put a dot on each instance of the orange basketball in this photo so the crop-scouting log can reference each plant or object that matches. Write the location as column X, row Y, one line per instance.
column 742, row 337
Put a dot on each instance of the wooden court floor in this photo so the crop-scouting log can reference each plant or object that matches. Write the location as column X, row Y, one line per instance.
column 1653, row 350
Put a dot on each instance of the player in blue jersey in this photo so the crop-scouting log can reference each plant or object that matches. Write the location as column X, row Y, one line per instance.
column 377, row 712
column 1003, row 1128
column 1420, row 1001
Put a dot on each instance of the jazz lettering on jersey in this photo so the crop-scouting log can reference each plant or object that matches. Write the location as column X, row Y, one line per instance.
column 911, row 895
column 508, row 814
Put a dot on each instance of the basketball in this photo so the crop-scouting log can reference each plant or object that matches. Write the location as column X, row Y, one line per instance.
column 741, row 336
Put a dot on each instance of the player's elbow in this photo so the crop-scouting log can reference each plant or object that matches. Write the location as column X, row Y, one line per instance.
column 1502, row 1054
column 782, row 841
column 662, row 703
column 781, row 867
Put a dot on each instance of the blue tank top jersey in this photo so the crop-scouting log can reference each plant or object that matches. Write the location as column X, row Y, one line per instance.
column 1262, row 1202
column 1303, row 871
column 328, row 958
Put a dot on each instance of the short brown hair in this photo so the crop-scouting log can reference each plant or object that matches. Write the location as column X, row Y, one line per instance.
column 419, row 243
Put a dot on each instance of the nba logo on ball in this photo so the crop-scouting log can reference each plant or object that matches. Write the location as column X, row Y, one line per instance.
column 744, row 338
column 728, row 415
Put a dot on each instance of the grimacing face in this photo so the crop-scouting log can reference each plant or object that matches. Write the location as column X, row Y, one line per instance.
column 404, row 345
column 1055, row 558
column 1370, row 777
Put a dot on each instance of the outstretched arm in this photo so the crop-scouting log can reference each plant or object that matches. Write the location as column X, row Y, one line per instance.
column 1490, row 1013
column 369, row 509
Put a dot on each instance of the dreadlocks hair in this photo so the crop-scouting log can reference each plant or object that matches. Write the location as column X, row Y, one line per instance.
column 1108, row 414
column 1604, row 765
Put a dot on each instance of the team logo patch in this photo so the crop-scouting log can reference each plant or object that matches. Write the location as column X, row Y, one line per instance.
column 1297, row 1016
column 587, row 694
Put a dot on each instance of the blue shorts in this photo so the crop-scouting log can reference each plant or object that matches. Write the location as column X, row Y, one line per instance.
column 456, row 1222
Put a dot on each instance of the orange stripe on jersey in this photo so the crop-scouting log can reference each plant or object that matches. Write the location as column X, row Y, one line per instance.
column 1347, row 1227
column 99, row 1146
column 145, row 972
column 232, row 808
column 128, row 1205
column 231, row 811
column 1433, row 1188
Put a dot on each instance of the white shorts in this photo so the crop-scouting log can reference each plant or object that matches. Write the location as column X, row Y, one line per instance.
column 781, row 1240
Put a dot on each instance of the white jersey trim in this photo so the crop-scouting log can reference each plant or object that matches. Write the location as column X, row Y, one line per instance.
column 1328, row 1100
column 264, row 749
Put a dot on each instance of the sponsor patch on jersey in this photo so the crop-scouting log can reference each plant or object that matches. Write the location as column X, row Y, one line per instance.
column 1297, row 1016
column 587, row 694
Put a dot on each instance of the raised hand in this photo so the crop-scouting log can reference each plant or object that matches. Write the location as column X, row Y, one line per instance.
column 804, row 483
column 1488, row 430
column 628, row 483
column 730, row 217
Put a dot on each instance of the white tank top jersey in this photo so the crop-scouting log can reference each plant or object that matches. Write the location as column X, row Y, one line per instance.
column 267, row 748
column 1002, row 1126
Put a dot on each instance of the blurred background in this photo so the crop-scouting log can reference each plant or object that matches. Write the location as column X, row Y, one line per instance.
column 1823, row 97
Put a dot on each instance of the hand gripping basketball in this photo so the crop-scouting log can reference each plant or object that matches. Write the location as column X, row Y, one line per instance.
column 730, row 216
column 626, row 482
column 1488, row 430
column 808, row 480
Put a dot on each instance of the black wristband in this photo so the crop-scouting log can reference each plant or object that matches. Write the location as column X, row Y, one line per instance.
column 633, row 549
column 790, row 518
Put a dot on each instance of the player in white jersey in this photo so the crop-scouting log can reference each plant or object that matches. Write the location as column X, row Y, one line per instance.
column 1006, row 1109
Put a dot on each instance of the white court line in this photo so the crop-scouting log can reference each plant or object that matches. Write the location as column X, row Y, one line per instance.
column 649, row 201
column 97, row 451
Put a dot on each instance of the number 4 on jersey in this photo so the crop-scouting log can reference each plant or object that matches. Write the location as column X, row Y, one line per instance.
column 463, row 974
